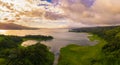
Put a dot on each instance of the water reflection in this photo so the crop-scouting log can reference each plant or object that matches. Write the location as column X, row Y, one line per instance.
column 61, row 37
column 32, row 32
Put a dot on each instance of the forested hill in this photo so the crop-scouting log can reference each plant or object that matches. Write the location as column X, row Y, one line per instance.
column 12, row 26
column 12, row 53
column 90, row 29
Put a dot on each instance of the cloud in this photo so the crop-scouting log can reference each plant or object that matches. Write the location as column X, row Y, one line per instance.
column 24, row 10
column 43, row 23
column 107, row 6
column 60, row 13
column 53, row 16
column 101, row 12
column 33, row 13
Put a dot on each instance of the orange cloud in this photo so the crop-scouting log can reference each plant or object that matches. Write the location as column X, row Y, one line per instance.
column 53, row 16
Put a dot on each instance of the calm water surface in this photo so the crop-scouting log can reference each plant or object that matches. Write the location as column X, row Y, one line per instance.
column 61, row 37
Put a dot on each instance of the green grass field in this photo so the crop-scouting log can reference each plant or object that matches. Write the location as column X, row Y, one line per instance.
column 82, row 55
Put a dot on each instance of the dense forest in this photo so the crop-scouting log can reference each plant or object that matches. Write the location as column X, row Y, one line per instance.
column 106, row 52
column 12, row 53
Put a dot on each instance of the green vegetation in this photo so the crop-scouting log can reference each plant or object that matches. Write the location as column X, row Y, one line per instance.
column 82, row 55
column 37, row 37
column 107, row 52
column 11, row 53
column 33, row 55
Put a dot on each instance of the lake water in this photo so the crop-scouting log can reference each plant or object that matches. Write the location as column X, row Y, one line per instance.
column 61, row 39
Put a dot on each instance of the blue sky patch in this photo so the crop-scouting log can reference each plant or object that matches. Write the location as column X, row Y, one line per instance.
column 49, row 0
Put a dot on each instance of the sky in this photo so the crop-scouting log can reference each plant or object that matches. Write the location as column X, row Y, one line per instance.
column 60, row 13
column 49, row 0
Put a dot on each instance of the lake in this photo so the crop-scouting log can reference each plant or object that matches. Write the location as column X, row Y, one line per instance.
column 61, row 37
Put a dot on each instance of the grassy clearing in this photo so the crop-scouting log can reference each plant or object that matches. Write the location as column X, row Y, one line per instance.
column 82, row 55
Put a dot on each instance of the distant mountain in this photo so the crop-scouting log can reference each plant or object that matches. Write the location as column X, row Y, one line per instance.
column 12, row 26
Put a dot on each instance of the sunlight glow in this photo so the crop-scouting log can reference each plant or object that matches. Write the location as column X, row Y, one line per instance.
column 3, row 31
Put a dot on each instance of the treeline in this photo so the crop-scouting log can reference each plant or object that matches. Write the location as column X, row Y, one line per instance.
column 12, row 53
column 34, row 37
column 95, row 30
column 38, row 37
column 111, row 50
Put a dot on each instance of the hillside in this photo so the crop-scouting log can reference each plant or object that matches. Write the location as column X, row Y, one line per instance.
column 9, row 26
